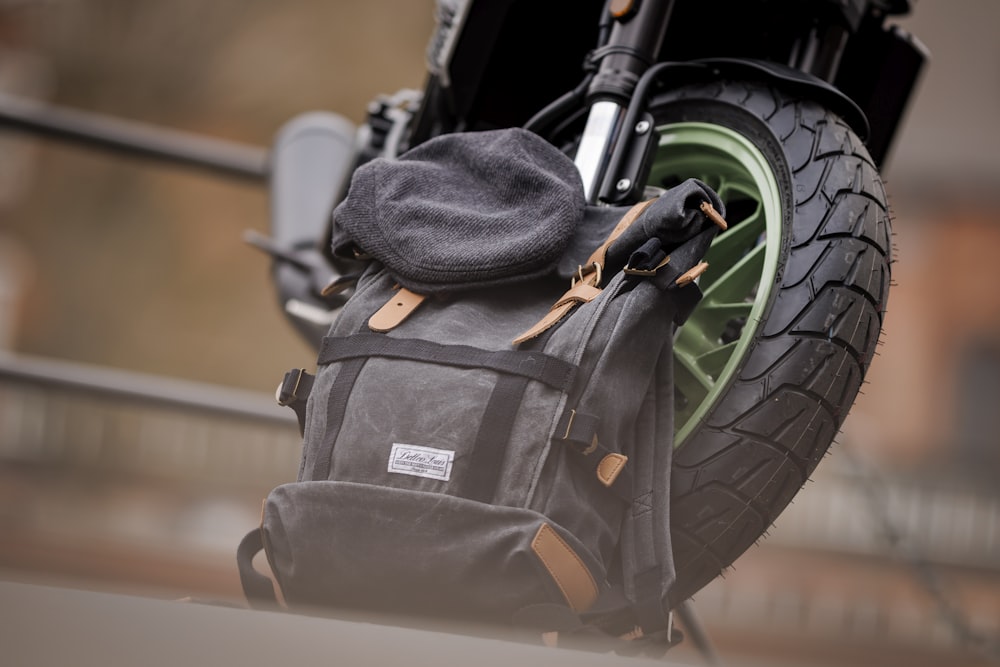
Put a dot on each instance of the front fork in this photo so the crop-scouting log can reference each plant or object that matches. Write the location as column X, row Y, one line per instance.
column 635, row 39
column 601, row 133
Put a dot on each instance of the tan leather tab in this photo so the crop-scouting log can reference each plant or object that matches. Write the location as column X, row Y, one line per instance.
column 692, row 273
column 551, row 319
column 577, row 294
column 568, row 571
column 395, row 311
column 610, row 467
column 714, row 216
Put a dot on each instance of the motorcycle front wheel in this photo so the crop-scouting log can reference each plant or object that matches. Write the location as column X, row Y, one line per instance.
column 772, row 359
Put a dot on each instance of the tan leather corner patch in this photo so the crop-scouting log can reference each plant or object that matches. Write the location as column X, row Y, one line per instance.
column 566, row 568
column 395, row 311
column 610, row 467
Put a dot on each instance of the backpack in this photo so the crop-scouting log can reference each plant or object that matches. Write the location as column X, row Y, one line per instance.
column 492, row 441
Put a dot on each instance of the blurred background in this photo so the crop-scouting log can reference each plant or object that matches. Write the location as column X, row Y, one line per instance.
column 117, row 272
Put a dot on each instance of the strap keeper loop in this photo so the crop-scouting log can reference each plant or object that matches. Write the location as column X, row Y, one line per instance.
column 287, row 392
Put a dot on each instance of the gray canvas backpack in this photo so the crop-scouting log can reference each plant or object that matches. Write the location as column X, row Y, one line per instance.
column 489, row 437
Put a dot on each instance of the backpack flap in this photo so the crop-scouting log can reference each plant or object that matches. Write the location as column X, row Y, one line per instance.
column 647, row 555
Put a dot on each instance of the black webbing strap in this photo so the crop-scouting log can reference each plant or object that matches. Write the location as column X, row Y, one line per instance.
column 664, row 276
column 546, row 369
column 682, row 259
column 483, row 474
column 258, row 588
column 516, row 368
column 336, row 407
column 647, row 555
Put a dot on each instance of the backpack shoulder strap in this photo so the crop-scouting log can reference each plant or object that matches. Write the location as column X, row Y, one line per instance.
column 257, row 587
column 647, row 553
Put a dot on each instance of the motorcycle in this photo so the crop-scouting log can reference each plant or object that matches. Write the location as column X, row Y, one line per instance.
column 785, row 108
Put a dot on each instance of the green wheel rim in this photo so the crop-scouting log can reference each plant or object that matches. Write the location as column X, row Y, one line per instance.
column 743, row 260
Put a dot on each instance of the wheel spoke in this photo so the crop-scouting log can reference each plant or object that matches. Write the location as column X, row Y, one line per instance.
column 716, row 316
column 691, row 387
column 742, row 260
column 714, row 361
column 739, row 280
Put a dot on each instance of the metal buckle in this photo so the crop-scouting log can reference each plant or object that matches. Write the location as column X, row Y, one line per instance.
column 569, row 424
column 284, row 397
column 590, row 449
column 628, row 270
column 594, row 268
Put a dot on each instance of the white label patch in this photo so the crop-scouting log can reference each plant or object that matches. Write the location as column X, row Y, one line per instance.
column 421, row 461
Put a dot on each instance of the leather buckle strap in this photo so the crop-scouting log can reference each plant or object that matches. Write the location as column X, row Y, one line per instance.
column 589, row 274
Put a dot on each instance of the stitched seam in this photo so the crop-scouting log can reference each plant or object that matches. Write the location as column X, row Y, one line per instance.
column 608, row 477
column 642, row 504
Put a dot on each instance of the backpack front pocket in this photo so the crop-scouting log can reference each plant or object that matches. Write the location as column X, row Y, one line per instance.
column 399, row 551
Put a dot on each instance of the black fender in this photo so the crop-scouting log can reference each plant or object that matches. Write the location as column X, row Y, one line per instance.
column 792, row 80
column 630, row 158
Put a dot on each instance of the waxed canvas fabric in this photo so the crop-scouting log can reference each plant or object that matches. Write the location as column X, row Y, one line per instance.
column 414, row 497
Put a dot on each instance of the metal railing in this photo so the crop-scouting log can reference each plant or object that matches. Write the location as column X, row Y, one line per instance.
column 71, row 414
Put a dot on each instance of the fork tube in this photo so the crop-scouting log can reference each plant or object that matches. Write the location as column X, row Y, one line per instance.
column 634, row 44
column 597, row 145
column 636, row 37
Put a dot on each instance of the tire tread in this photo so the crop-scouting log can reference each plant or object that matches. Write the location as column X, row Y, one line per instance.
column 756, row 449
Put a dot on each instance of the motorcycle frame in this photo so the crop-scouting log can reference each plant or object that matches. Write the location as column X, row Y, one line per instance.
column 838, row 51
column 484, row 78
column 499, row 63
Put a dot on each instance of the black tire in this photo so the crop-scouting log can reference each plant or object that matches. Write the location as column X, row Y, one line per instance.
column 782, row 407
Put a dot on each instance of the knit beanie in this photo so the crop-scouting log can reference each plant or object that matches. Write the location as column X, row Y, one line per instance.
column 464, row 210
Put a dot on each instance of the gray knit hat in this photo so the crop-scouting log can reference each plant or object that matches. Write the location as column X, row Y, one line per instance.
column 464, row 210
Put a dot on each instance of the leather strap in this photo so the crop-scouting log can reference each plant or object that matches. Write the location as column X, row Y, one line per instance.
column 395, row 311
column 598, row 257
column 580, row 292
column 586, row 286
